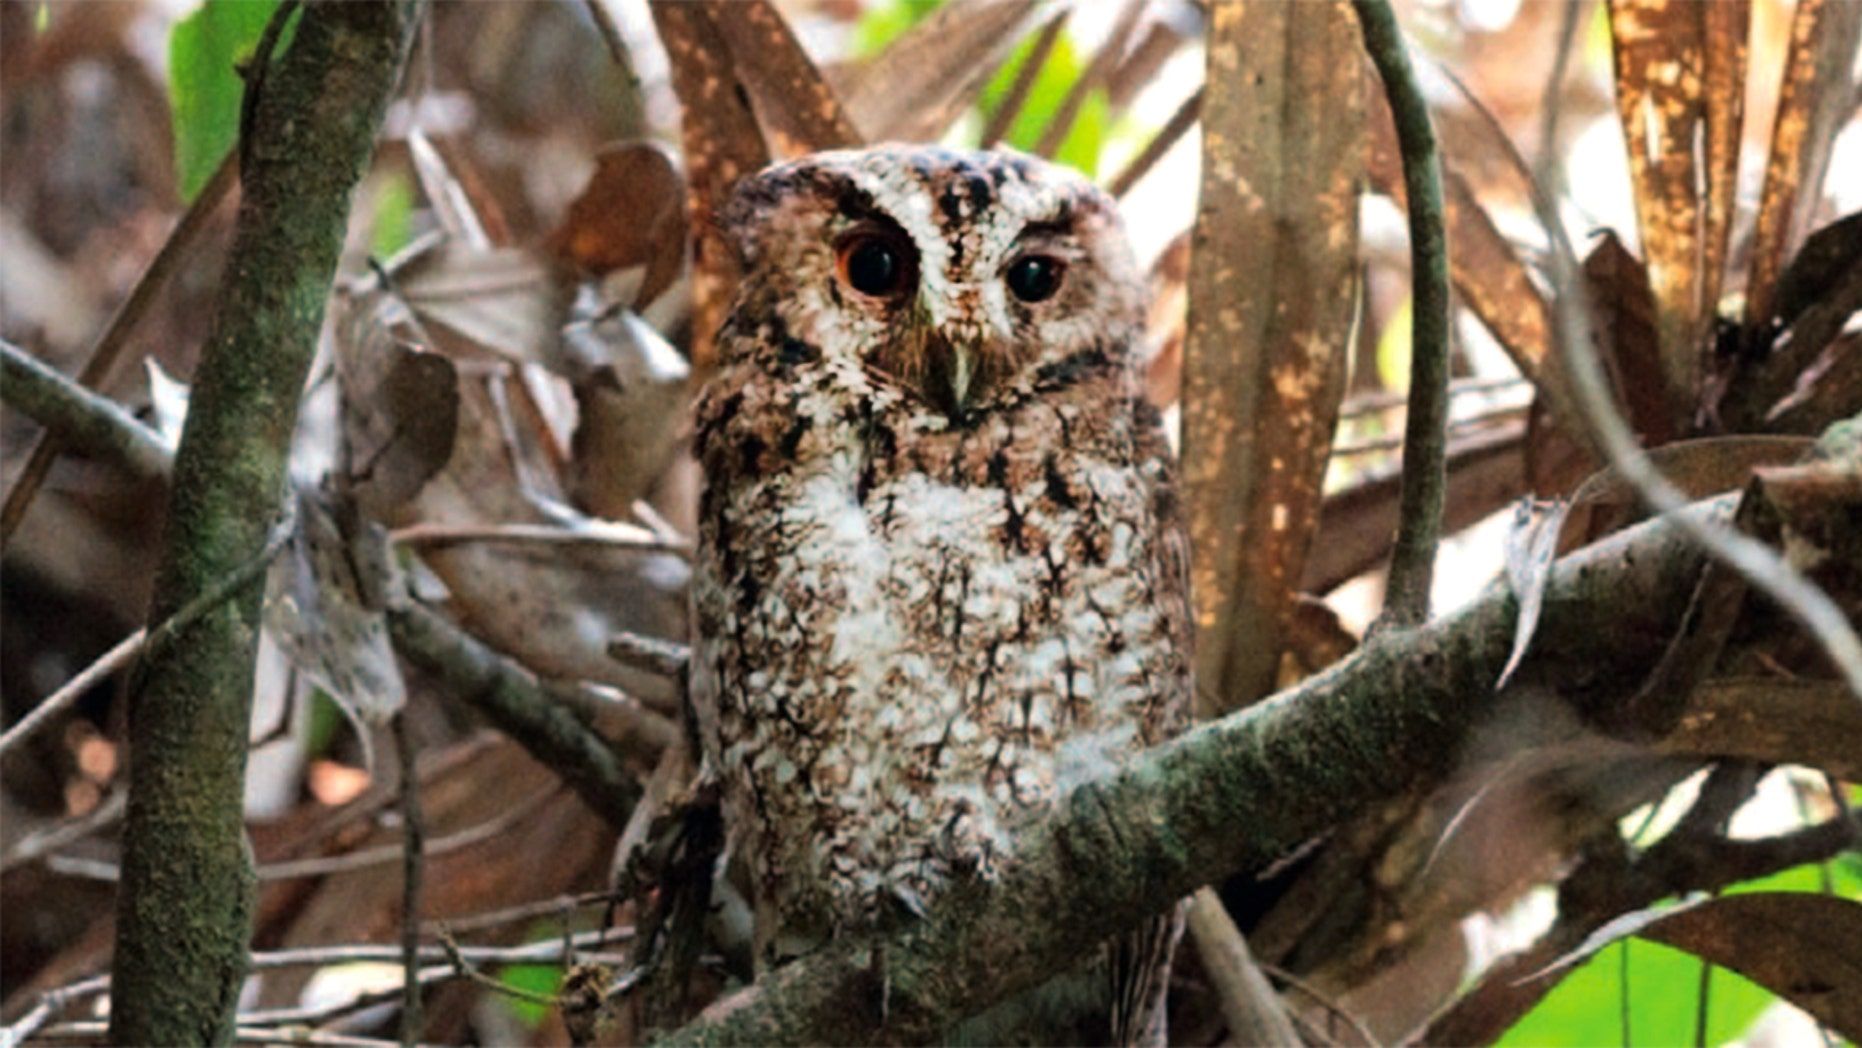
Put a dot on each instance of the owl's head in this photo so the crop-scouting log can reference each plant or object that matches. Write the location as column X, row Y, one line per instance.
column 962, row 277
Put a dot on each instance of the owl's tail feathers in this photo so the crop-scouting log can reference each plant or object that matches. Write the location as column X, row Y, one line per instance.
column 1139, row 967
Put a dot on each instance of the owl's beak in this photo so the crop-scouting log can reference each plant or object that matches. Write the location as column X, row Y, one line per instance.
column 951, row 369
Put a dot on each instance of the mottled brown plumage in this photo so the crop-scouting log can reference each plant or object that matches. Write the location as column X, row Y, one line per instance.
column 941, row 575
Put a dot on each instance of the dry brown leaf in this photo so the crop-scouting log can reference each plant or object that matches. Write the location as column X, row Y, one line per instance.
column 722, row 143
column 325, row 606
column 631, row 394
column 1680, row 82
column 630, row 214
column 1623, row 318
column 1705, row 466
column 1275, row 248
column 503, row 300
column 1813, row 100
column 918, row 86
column 1775, row 721
column 793, row 102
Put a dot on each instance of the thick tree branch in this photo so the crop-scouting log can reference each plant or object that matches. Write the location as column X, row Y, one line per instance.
column 1425, row 429
column 184, row 909
column 1231, row 797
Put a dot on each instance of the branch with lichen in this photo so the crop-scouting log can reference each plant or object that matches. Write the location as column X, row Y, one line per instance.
column 185, row 903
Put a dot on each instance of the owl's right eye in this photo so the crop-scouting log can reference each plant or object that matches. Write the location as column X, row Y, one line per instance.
column 874, row 264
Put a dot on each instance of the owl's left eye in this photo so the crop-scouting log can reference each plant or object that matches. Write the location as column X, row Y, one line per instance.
column 1035, row 278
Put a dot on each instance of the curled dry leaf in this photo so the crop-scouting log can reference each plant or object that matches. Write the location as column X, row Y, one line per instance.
column 1275, row 242
column 1680, row 83
column 630, row 216
column 503, row 300
column 1531, row 546
column 552, row 608
column 630, row 389
column 1801, row 946
column 400, row 406
column 918, row 86
column 326, row 603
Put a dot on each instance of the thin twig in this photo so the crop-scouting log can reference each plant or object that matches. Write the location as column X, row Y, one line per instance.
column 72, row 690
column 1383, row 399
column 1412, row 558
column 109, row 350
column 65, row 831
column 664, row 658
column 468, row 971
column 347, row 862
column 611, row 534
column 413, row 843
column 49, row 1004
column 1550, row 165
column 561, row 906
column 1011, row 105
column 88, row 421
column 1322, row 1000
column 1175, row 128
column 1254, row 1012
column 127, row 649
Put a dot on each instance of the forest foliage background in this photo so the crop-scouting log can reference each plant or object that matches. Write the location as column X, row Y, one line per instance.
column 465, row 705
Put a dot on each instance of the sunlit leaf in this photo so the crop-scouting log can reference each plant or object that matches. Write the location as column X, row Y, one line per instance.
column 1531, row 546
column 1273, row 258
column 204, row 52
column 1813, row 100
column 916, row 88
column 1680, row 76
column 1080, row 149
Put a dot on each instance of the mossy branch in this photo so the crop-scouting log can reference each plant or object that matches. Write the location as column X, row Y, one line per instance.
column 1425, row 429
column 185, row 902
column 1232, row 797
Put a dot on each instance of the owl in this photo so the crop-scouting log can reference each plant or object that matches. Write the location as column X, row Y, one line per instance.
column 941, row 576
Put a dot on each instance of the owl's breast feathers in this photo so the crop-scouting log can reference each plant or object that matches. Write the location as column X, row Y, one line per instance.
column 913, row 635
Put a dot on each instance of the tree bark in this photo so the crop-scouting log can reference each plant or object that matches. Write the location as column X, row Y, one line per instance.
column 185, row 901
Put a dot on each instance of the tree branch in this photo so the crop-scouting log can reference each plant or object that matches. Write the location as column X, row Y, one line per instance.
column 184, row 909
column 1394, row 717
column 1425, row 440
column 516, row 704
column 93, row 424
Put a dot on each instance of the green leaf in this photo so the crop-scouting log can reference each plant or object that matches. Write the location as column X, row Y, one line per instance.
column 533, row 978
column 394, row 217
column 1664, row 984
column 1064, row 65
column 204, row 87
column 883, row 22
column 1664, row 987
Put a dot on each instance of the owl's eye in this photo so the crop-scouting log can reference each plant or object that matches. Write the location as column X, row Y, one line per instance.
column 1035, row 278
column 875, row 264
